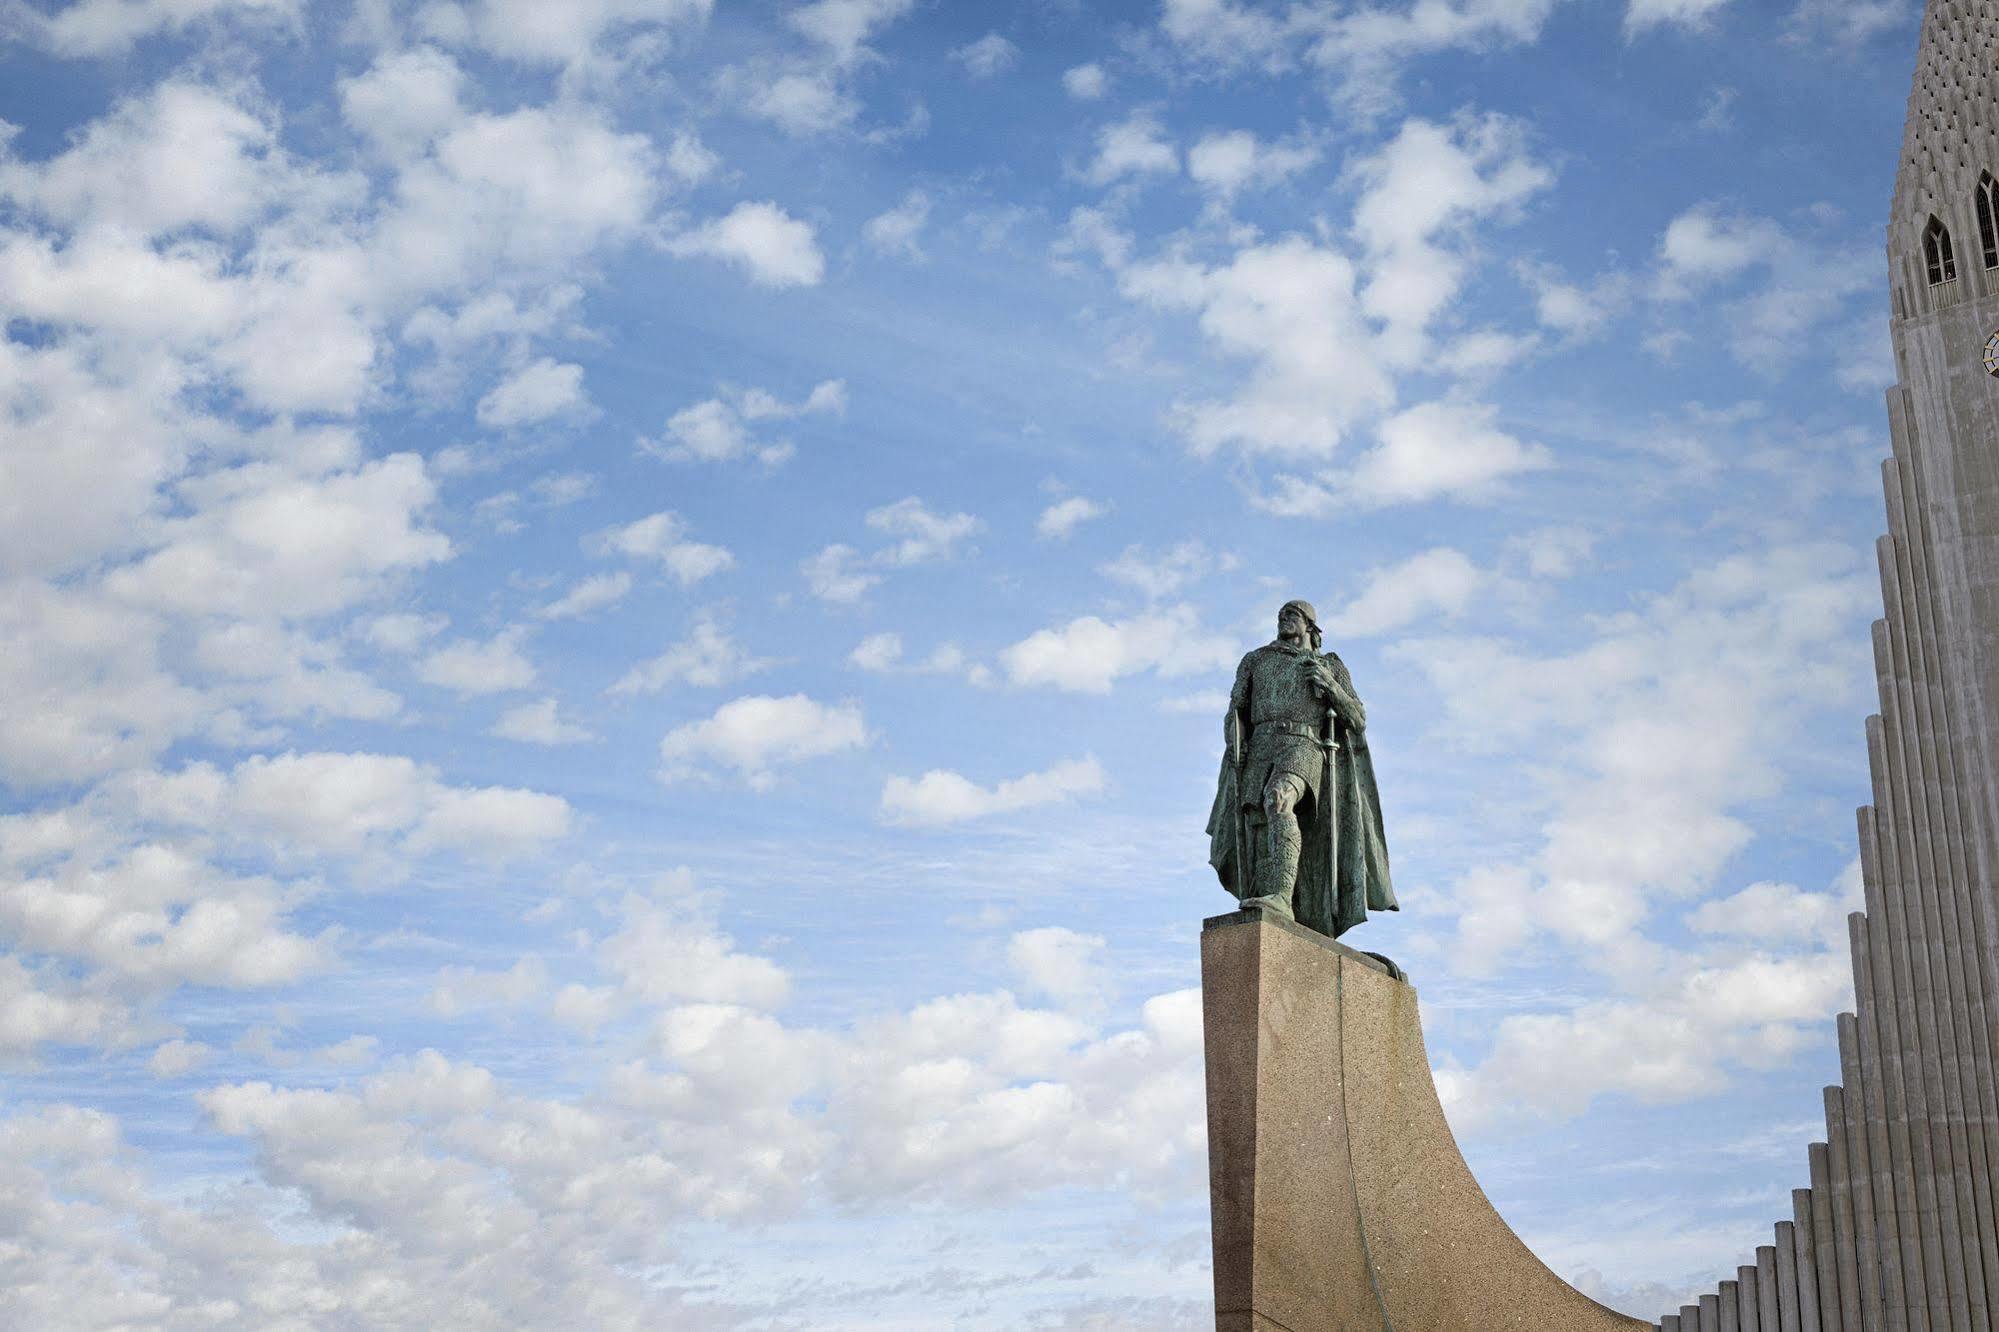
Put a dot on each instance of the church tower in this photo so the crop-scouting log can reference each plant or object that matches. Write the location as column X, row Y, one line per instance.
column 1899, row 1231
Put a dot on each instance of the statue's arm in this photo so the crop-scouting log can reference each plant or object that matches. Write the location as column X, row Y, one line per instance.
column 1338, row 686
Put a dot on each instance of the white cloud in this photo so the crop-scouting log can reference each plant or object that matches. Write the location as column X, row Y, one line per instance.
column 1703, row 244
column 663, row 537
column 668, row 949
column 1421, row 195
column 877, row 652
column 266, row 541
column 925, row 536
column 1134, row 146
column 1288, row 307
column 1226, row 162
column 1612, row 712
column 588, row 596
column 942, row 797
column 1437, row 582
column 1774, row 913
column 707, row 658
column 1222, row 32
column 1642, row 14
column 178, row 1058
column 718, row 429
column 758, row 734
column 539, row 723
column 1061, row 963
column 348, row 804
column 112, row 27
column 536, row 33
column 837, row 573
column 1064, row 516
column 538, row 391
column 895, row 231
column 1553, row 552
column 405, row 99
column 1570, row 309
column 844, row 26
column 1089, row 655
column 988, row 57
column 460, row 990
column 402, row 632
column 1164, row 573
column 774, row 248
column 1085, row 83
column 494, row 666
column 1440, row 450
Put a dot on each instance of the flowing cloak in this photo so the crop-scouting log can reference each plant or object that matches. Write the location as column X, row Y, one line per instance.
column 1330, row 898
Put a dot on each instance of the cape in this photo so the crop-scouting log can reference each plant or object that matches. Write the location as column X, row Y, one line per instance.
column 1331, row 897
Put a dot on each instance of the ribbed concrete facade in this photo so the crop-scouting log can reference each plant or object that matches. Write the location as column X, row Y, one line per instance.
column 1898, row 1231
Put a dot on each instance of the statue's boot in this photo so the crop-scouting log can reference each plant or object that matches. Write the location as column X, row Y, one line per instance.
column 1277, row 868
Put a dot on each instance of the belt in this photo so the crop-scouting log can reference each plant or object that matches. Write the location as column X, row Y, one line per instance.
column 1305, row 730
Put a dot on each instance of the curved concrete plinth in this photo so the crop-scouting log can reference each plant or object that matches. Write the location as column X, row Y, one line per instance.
column 1340, row 1202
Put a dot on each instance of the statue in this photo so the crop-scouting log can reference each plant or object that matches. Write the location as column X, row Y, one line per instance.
column 1296, row 824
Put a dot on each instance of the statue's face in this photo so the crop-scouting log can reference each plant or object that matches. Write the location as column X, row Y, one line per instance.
column 1291, row 624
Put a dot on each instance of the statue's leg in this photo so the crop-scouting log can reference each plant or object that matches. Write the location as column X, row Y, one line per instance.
column 1277, row 866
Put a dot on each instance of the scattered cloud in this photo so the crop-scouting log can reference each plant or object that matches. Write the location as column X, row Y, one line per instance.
column 539, row 391
column 539, row 723
column 662, row 538
column 1060, row 519
column 1085, row 83
column 1440, row 582
column 896, row 231
column 721, row 429
column 707, row 659
column 588, row 596
column 988, row 57
column 756, row 735
column 1134, row 146
column 773, row 248
column 1089, row 655
column 941, row 797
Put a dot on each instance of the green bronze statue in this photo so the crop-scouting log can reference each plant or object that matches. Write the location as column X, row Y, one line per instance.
column 1296, row 824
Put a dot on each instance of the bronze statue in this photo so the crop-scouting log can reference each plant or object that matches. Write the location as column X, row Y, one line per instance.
column 1296, row 824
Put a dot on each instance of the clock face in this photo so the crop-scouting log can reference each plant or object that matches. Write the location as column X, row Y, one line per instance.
column 1992, row 355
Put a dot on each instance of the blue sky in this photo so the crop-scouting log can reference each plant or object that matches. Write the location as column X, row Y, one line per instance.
column 618, row 614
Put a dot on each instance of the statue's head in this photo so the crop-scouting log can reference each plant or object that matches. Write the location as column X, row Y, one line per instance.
column 1296, row 620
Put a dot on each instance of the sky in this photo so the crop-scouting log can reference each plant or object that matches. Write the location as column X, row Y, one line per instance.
column 616, row 619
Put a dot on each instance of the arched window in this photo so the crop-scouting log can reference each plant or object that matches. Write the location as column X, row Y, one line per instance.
column 1937, row 256
column 1988, row 209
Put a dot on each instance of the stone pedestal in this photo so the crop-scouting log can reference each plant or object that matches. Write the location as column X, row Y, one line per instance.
column 1340, row 1203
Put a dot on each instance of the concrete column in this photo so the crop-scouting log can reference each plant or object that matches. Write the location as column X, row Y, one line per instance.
column 1962, row 1298
column 1921, row 1257
column 1840, row 1188
column 1729, row 1311
column 1859, row 1167
column 1690, row 1318
column 1710, row 1313
column 1766, row 1284
column 1887, row 1154
column 1826, row 1240
column 1670, row 1323
column 1958, row 901
column 1790, row 1304
column 1811, row 1317
column 1973, row 824
column 1749, row 1299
